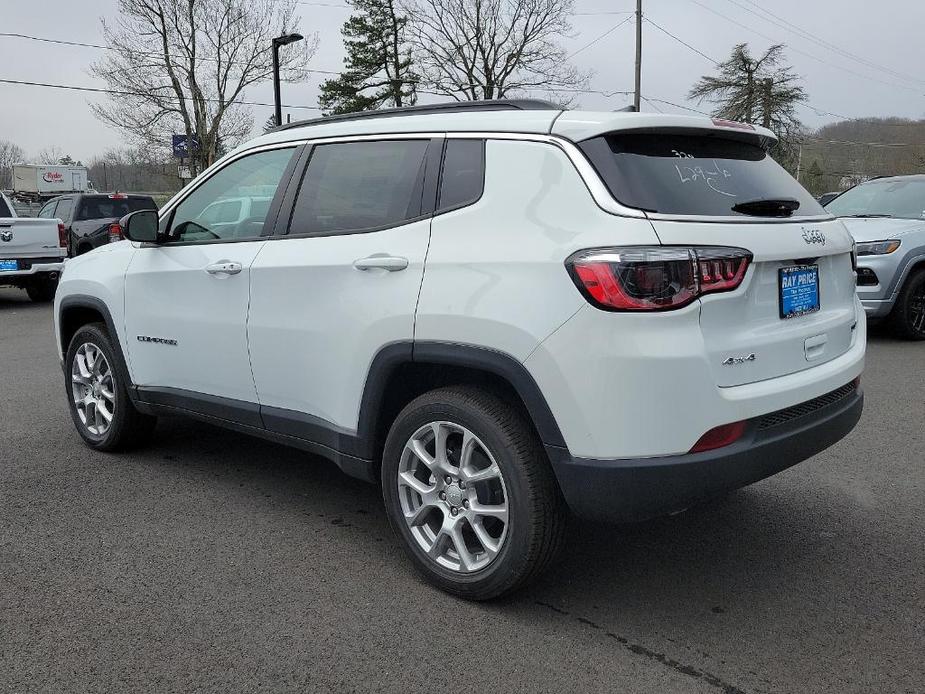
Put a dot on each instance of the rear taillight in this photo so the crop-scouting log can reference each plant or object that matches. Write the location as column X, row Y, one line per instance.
column 62, row 235
column 655, row 278
column 719, row 436
column 115, row 232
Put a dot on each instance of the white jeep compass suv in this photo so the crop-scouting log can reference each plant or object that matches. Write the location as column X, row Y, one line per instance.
column 498, row 310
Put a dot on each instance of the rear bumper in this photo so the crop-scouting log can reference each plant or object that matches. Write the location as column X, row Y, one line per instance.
column 34, row 269
column 626, row 490
column 876, row 308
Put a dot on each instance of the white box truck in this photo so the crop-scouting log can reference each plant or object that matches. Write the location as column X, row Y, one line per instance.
column 37, row 181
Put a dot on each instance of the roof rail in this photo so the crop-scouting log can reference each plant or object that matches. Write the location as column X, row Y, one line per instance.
column 424, row 109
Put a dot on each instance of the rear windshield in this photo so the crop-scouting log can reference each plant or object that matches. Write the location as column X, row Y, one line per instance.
column 105, row 207
column 692, row 174
column 4, row 209
column 891, row 197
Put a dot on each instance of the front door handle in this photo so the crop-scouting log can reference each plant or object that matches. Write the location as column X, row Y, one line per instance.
column 227, row 267
column 381, row 261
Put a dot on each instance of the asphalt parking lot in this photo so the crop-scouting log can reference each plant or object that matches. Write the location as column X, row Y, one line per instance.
column 215, row 562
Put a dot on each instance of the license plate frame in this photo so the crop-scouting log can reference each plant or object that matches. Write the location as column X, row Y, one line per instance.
column 795, row 296
column 9, row 265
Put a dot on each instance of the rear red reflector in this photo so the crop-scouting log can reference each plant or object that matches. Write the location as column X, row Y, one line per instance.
column 719, row 436
column 655, row 278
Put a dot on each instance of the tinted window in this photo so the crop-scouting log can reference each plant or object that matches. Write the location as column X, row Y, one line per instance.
column 4, row 209
column 105, row 207
column 893, row 197
column 63, row 211
column 205, row 215
column 48, row 211
column 463, row 174
column 360, row 185
column 692, row 174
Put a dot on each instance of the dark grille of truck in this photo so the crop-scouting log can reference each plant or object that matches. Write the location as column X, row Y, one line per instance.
column 788, row 414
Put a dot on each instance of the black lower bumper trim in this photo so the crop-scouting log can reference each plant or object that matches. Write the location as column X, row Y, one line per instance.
column 627, row 490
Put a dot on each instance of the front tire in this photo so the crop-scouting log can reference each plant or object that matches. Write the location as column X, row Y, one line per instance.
column 908, row 316
column 97, row 394
column 470, row 492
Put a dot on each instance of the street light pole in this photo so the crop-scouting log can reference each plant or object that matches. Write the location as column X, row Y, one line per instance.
column 277, row 42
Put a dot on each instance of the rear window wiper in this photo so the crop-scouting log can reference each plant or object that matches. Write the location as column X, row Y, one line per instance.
column 866, row 216
column 768, row 207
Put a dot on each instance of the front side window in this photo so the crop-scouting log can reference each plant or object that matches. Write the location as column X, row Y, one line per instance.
column 48, row 211
column 890, row 197
column 703, row 175
column 208, row 213
column 357, row 186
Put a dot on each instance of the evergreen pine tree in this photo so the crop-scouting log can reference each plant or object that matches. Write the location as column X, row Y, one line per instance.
column 378, row 63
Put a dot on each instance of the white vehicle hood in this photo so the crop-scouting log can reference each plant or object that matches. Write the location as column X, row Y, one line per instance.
column 882, row 228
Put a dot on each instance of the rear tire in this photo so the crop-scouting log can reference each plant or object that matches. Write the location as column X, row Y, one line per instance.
column 907, row 319
column 97, row 394
column 42, row 290
column 493, row 461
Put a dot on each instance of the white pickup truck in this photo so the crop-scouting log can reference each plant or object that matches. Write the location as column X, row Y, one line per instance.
column 32, row 252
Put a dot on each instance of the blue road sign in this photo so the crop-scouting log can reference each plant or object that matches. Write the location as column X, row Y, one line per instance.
column 184, row 147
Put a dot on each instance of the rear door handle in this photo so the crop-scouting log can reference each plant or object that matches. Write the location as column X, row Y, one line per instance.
column 380, row 261
column 227, row 267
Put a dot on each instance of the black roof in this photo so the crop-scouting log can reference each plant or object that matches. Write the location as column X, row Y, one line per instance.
column 424, row 109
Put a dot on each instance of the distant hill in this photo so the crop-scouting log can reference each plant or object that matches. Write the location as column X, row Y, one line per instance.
column 838, row 155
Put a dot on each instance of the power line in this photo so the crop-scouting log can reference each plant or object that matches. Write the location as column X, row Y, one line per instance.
column 681, row 41
column 803, row 33
column 118, row 92
column 602, row 36
column 801, row 52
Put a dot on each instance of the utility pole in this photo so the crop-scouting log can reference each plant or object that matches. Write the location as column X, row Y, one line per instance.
column 638, row 93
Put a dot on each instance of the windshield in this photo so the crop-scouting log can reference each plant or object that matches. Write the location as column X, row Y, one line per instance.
column 891, row 197
column 702, row 175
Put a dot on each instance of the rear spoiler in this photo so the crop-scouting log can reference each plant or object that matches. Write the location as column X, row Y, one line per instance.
column 584, row 125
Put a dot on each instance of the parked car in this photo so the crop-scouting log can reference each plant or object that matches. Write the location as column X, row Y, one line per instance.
column 93, row 220
column 886, row 216
column 826, row 198
column 32, row 252
column 497, row 310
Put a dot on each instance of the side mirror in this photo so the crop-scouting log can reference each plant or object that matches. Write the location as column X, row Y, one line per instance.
column 140, row 226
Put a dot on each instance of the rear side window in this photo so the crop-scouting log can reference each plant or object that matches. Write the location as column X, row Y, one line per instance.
column 48, row 211
column 63, row 212
column 4, row 209
column 463, row 175
column 358, row 186
column 692, row 174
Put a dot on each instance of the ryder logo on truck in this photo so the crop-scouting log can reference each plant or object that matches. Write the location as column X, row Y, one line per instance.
column 53, row 177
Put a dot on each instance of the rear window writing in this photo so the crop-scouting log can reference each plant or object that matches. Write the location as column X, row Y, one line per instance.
column 692, row 174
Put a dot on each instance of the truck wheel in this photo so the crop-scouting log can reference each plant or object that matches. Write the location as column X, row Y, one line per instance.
column 908, row 315
column 42, row 290
column 100, row 407
column 470, row 492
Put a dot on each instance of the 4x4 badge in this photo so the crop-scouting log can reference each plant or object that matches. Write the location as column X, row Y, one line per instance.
column 813, row 236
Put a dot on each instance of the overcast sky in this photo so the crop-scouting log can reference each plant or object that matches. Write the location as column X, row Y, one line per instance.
column 887, row 33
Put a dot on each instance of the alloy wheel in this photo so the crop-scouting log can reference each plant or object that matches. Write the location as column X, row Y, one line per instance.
column 93, row 389
column 453, row 497
column 917, row 309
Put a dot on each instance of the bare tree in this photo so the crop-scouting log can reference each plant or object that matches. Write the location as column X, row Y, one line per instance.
column 9, row 154
column 52, row 154
column 182, row 66
column 491, row 49
column 762, row 91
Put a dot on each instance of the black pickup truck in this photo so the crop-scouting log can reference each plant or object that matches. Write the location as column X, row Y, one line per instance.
column 92, row 219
